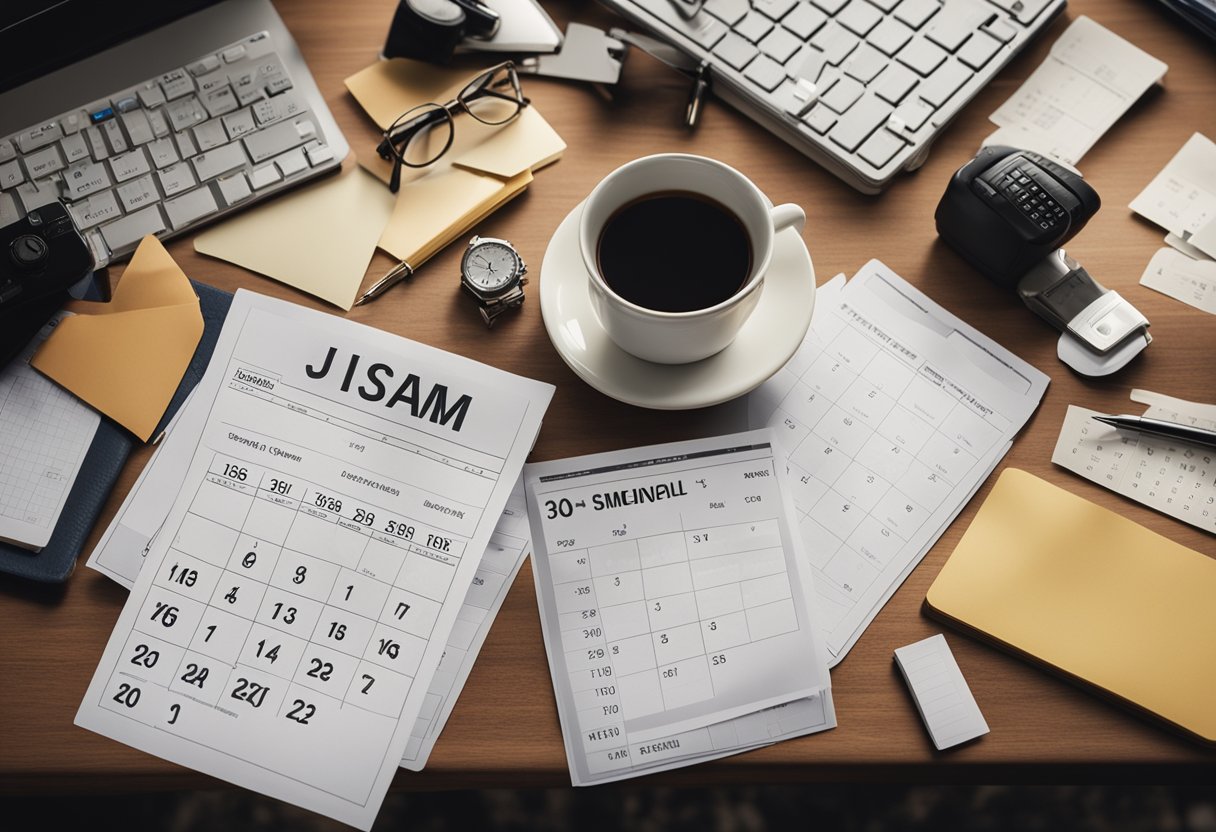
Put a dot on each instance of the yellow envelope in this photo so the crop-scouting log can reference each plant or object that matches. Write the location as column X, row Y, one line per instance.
column 318, row 239
column 486, row 167
column 127, row 357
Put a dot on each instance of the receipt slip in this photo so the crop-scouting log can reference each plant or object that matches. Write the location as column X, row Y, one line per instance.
column 127, row 357
column 673, row 604
column 486, row 167
column 942, row 697
column 1182, row 197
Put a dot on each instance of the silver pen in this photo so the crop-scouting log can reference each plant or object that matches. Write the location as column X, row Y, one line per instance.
column 1158, row 427
column 395, row 275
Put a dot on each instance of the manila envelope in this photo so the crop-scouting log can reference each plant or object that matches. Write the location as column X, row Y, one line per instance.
column 127, row 357
column 486, row 167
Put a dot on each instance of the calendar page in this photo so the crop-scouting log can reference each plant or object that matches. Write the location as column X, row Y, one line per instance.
column 1173, row 477
column 891, row 414
column 290, row 616
column 674, row 605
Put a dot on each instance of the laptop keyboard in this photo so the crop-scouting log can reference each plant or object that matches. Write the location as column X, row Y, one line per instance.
column 167, row 154
column 866, row 82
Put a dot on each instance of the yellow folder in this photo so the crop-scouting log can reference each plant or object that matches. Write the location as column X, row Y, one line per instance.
column 1092, row 595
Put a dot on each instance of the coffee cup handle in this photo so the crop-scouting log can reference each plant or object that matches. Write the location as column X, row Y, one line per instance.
column 786, row 216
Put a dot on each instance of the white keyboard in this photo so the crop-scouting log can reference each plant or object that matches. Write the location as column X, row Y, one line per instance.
column 861, row 86
column 170, row 153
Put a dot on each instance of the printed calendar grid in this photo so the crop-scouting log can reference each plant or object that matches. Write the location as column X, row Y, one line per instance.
column 235, row 661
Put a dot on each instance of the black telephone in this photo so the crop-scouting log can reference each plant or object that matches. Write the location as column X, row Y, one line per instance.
column 1008, row 212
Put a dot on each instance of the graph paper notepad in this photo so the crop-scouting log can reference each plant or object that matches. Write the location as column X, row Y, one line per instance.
column 45, row 432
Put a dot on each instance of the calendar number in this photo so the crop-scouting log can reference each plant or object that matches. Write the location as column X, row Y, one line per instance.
column 337, row 631
column 301, row 574
column 231, row 596
column 250, row 692
column 718, row 659
column 389, row 648
column 236, row 472
column 176, row 710
column 280, row 486
column 326, row 502
column 127, row 695
column 370, row 681
column 400, row 529
column 402, row 609
column 185, row 577
column 301, row 712
column 365, row 518
column 289, row 616
column 671, row 673
column 439, row 544
column 249, row 560
column 145, row 656
column 270, row 655
column 195, row 675
column 165, row 614
column 321, row 670
column 562, row 508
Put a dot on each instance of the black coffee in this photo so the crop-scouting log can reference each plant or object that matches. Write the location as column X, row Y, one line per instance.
column 674, row 252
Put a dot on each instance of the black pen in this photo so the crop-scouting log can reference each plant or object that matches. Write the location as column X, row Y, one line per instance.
column 1171, row 430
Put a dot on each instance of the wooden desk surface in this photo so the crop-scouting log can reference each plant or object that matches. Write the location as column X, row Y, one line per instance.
column 504, row 730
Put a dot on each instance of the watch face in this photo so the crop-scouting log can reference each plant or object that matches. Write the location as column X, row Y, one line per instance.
column 490, row 266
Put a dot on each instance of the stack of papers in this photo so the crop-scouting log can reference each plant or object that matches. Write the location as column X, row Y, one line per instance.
column 1089, row 80
column 342, row 517
column 1182, row 200
column 675, row 605
column 891, row 414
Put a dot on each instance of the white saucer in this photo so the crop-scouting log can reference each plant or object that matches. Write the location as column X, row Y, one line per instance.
column 767, row 340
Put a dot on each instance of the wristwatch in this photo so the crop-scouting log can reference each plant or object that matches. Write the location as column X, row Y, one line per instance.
column 493, row 273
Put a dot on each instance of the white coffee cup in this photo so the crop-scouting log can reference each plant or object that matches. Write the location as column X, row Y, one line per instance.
column 680, row 337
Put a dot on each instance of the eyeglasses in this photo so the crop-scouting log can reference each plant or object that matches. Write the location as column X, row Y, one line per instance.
column 420, row 136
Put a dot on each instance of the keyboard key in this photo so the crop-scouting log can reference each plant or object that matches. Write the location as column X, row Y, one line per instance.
column 291, row 162
column 185, row 145
column 219, row 161
column 729, row 12
column 265, row 175
column 830, row 6
column 842, row 94
column 231, row 56
column 9, row 212
column 185, row 113
column 732, row 49
column 73, row 123
column 922, row 56
column 808, row 65
column 1024, row 11
column 7, row 151
column 74, row 148
column 765, row 73
column 137, row 194
column 865, row 63
column 859, row 17
column 780, row 45
column 234, row 189
column 880, row 148
column 176, row 84
column 754, row 27
column 774, row 9
column 84, row 178
column 835, row 41
column 44, row 162
column 176, row 178
column 160, row 126
column 210, row 134
column 950, row 30
column 150, row 95
column 913, row 113
column 239, row 123
column 318, row 153
column 97, row 145
column 212, row 82
column 889, row 36
column 220, row 101
column 916, row 12
column 114, row 137
column 163, row 153
column 276, row 84
column 125, row 104
column 246, row 87
column 1001, row 29
column 11, row 175
column 187, row 208
column 276, row 109
column 979, row 50
column 202, row 67
column 944, row 82
column 39, row 136
column 275, row 139
column 805, row 20
column 132, row 228
column 96, row 209
column 821, row 119
column 862, row 119
column 129, row 165
column 138, row 127
column 34, row 194
column 894, row 83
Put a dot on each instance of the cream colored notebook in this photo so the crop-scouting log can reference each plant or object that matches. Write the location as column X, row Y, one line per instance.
column 1092, row 595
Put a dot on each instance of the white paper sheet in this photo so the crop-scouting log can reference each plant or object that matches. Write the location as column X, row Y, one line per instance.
column 892, row 413
column 1175, row 478
column 1182, row 198
column 291, row 614
column 1191, row 281
column 45, row 433
column 941, row 693
column 1089, row 80
column 674, row 605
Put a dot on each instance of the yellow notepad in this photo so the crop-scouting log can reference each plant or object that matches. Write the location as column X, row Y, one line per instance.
column 1092, row 595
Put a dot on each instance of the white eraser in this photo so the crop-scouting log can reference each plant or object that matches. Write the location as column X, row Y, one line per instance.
column 940, row 691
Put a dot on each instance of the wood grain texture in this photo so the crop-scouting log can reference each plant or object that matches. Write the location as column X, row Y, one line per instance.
column 504, row 730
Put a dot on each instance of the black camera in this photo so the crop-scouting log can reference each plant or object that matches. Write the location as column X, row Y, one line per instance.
column 41, row 257
column 429, row 30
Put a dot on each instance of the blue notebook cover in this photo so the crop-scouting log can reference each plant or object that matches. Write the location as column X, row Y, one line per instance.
column 104, row 461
